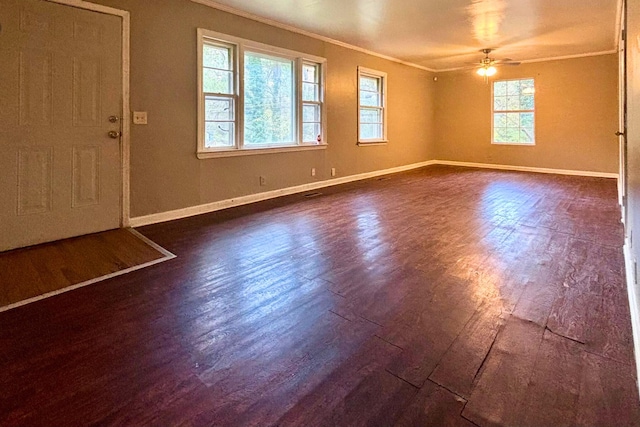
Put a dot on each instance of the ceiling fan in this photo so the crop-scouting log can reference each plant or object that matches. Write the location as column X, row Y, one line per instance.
column 487, row 66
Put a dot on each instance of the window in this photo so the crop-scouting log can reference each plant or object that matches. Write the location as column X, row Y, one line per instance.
column 269, row 100
column 255, row 98
column 372, row 94
column 219, row 95
column 514, row 112
column 311, row 105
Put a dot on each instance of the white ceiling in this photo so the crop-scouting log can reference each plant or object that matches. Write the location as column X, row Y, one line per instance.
column 446, row 34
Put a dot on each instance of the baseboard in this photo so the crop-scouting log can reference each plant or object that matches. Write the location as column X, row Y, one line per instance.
column 253, row 198
column 528, row 169
column 633, row 306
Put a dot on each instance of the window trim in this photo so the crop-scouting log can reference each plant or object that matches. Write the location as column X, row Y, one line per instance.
column 368, row 72
column 493, row 112
column 240, row 46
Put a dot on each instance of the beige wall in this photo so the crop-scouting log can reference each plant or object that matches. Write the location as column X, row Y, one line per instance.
column 576, row 116
column 165, row 173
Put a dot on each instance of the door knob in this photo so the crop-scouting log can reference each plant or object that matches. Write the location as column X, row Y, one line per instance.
column 114, row 134
column 619, row 133
column 113, row 119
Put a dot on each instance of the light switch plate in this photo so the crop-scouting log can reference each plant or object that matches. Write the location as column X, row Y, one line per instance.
column 139, row 117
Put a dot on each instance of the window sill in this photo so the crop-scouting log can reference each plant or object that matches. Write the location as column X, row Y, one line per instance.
column 367, row 144
column 519, row 144
column 262, row 150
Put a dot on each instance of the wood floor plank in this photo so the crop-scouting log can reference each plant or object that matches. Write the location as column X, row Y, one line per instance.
column 434, row 406
column 555, row 384
column 502, row 385
column 460, row 365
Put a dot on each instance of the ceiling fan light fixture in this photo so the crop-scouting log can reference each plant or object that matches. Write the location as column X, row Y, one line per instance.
column 487, row 71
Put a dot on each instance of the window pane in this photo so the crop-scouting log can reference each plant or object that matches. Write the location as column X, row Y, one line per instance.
column 526, row 135
column 369, row 99
column 499, row 135
column 526, row 120
column 370, row 84
column 216, row 57
column 310, row 92
column 310, row 132
column 311, row 113
column 526, row 102
column 309, row 73
column 370, row 116
column 513, row 120
column 219, row 134
column 500, row 103
column 218, row 109
column 500, row 89
column 512, row 134
column 513, row 103
column 499, row 120
column 215, row 81
column 513, row 87
column 371, row 131
column 527, row 86
column 268, row 100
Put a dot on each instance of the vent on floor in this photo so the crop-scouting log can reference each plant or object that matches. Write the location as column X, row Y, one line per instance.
column 310, row 195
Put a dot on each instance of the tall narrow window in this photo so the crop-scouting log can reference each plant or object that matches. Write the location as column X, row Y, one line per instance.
column 372, row 106
column 219, row 95
column 254, row 98
column 311, row 103
column 514, row 112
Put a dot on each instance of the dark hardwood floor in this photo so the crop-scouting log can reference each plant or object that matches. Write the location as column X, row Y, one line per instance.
column 444, row 297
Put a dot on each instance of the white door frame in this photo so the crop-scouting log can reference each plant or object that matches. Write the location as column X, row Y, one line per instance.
column 125, row 139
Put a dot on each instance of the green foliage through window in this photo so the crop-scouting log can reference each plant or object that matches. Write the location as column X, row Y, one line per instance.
column 514, row 111
column 268, row 100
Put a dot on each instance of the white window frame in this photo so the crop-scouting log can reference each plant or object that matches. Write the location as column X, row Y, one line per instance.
column 368, row 72
column 240, row 46
column 494, row 111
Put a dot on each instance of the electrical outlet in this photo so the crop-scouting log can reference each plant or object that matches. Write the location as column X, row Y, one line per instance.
column 333, row 171
column 139, row 117
column 313, row 171
column 263, row 180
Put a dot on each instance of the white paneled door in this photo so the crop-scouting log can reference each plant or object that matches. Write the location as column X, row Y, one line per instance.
column 60, row 108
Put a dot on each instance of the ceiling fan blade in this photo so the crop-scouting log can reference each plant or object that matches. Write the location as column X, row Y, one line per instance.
column 507, row 61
